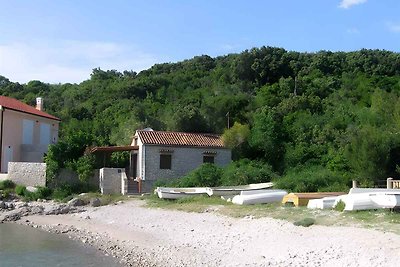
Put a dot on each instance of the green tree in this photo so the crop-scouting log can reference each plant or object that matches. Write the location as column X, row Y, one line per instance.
column 236, row 138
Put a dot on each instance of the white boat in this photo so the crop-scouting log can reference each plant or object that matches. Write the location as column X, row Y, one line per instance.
column 322, row 203
column 358, row 201
column 262, row 197
column 235, row 190
column 373, row 190
column 370, row 198
column 386, row 200
column 176, row 193
column 259, row 191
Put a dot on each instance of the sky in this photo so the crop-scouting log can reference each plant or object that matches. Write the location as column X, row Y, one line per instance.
column 63, row 41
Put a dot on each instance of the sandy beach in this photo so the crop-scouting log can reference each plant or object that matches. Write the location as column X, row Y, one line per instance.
column 141, row 236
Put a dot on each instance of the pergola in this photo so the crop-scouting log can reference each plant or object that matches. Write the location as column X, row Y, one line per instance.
column 103, row 153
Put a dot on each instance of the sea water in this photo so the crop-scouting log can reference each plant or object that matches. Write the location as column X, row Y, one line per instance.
column 22, row 246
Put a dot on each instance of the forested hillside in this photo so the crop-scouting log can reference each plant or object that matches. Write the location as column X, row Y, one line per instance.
column 317, row 120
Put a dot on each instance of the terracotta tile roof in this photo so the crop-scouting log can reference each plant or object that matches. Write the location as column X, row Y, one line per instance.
column 17, row 105
column 180, row 139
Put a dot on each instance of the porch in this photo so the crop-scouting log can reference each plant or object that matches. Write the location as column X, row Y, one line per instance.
column 130, row 181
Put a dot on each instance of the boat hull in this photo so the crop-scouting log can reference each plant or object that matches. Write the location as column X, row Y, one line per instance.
column 177, row 193
column 370, row 198
column 322, row 203
column 236, row 190
column 261, row 198
column 386, row 201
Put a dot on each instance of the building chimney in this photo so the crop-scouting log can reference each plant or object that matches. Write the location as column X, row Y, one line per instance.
column 39, row 103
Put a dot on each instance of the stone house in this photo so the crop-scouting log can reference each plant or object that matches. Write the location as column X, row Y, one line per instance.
column 160, row 154
column 25, row 131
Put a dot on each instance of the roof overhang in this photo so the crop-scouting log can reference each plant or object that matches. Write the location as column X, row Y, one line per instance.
column 111, row 149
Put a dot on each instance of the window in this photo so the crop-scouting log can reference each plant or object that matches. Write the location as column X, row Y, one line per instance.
column 44, row 134
column 27, row 132
column 208, row 159
column 165, row 161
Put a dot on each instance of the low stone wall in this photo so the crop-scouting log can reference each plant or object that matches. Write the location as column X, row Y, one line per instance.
column 27, row 173
column 111, row 180
column 147, row 186
column 66, row 176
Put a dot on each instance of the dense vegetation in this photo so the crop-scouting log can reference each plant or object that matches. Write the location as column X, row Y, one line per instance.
column 316, row 120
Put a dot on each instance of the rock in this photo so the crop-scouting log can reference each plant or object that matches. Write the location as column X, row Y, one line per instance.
column 76, row 202
column 95, row 202
column 10, row 205
column 21, row 204
column 31, row 189
column 3, row 205
column 36, row 210
column 61, row 209
column 12, row 216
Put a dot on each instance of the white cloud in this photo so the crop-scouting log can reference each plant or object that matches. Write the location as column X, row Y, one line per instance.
column 349, row 3
column 68, row 61
column 393, row 27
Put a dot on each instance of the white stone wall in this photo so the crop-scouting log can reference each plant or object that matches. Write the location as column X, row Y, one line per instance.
column 27, row 173
column 110, row 180
column 184, row 160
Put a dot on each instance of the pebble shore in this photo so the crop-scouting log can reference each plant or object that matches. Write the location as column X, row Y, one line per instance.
column 140, row 236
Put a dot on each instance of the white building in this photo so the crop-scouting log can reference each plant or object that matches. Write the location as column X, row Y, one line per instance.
column 25, row 131
column 173, row 154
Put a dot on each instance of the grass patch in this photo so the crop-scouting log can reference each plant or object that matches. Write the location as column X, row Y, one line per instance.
column 340, row 206
column 188, row 204
column 306, row 222
column 7, row 184
column 384, row 220
column 104, row 199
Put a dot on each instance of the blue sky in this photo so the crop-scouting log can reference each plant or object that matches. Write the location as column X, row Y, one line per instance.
column 62, row 41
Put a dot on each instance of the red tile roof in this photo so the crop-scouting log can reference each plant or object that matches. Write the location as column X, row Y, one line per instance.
column 17, row 105
column 180, row 139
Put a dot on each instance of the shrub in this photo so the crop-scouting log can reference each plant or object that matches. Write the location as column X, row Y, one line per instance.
column 65, row 190
column 306, row 222
column 7, row 184
column 167, row 182
column 312, row 179
column 340, row 206
column 20, row 190
column 43, row 193
column 206, row 175
column 7, row 192
column 85, row 167
column 61, row 193
column 246, row 171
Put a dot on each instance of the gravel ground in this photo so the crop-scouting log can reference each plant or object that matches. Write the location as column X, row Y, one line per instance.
column 140, row 236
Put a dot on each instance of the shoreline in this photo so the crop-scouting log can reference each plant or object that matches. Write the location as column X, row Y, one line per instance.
column 107, row 245
column 140, row 236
